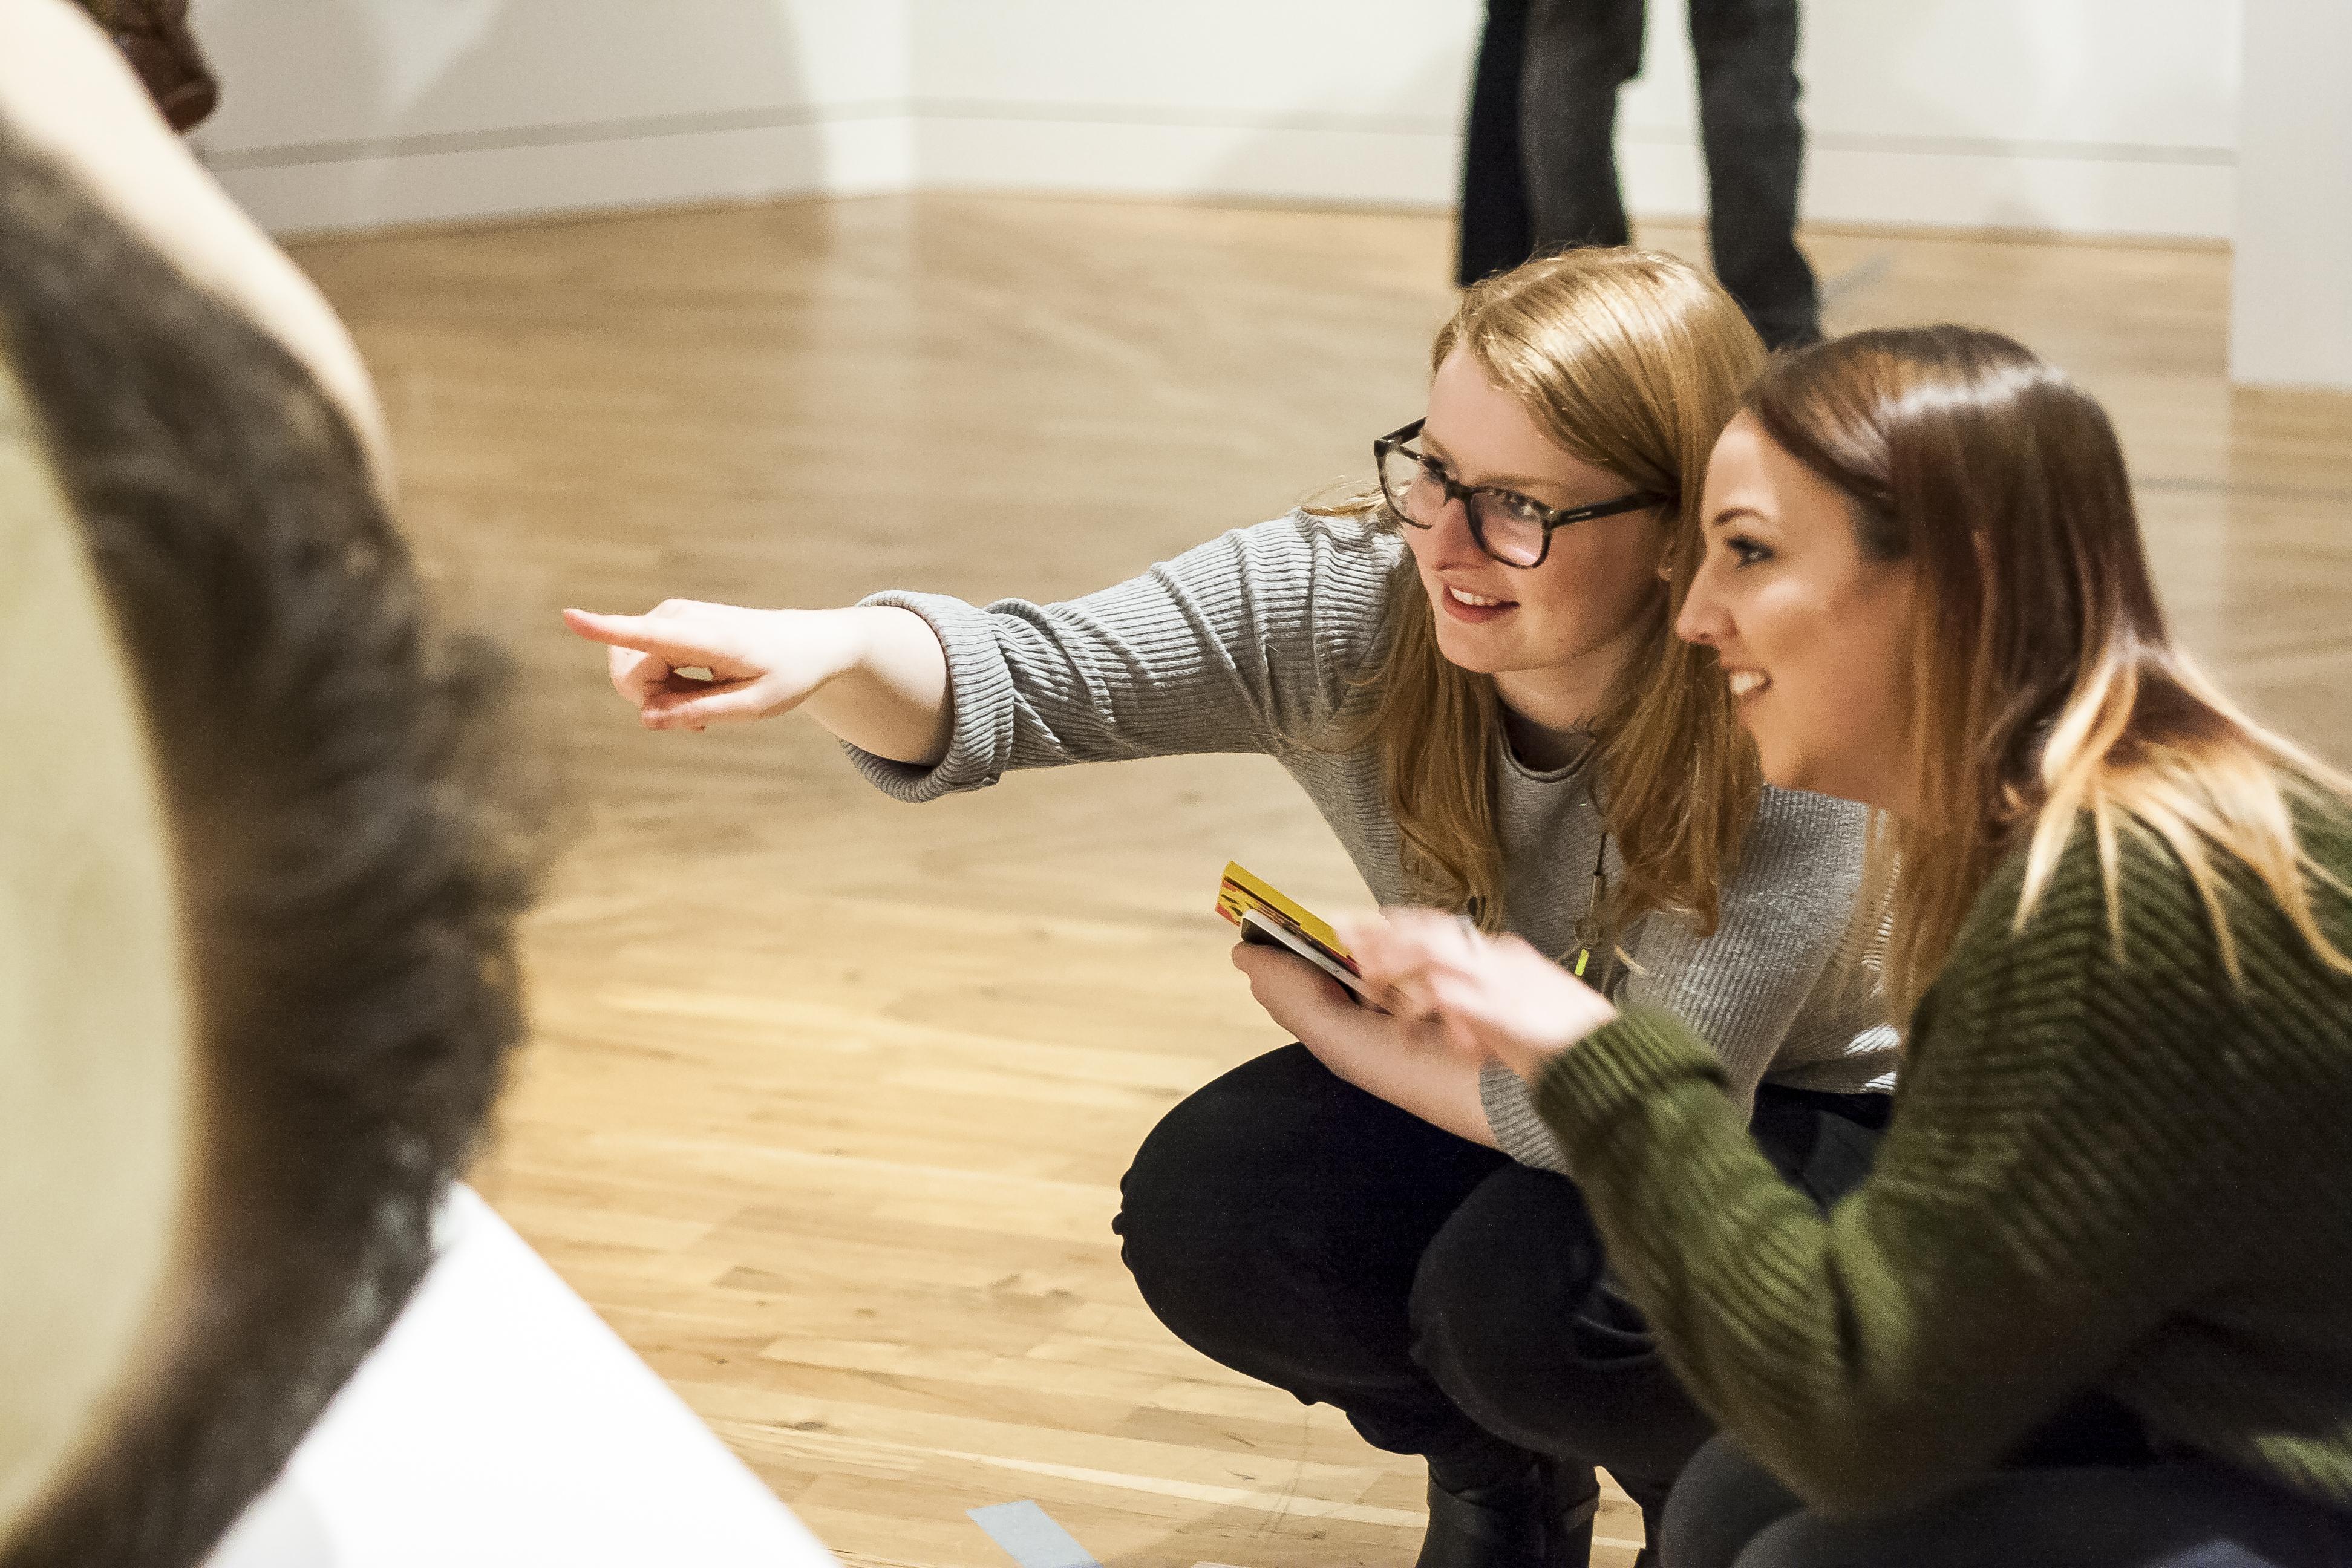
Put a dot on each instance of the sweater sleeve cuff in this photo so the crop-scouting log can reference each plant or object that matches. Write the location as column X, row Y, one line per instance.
column 980, row 690
column 1511, row 1118
column 1587, row 1089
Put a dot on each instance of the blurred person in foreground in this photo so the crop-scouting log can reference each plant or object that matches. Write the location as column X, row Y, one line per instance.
column 258, row 990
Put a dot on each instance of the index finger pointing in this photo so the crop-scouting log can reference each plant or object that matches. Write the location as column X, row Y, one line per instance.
column 644, row 634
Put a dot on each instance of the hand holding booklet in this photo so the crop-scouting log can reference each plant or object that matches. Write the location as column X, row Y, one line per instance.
column 1265, row 916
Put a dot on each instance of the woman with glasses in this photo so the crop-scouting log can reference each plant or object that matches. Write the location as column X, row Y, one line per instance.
column 1472, row 674
column 2094, row 1305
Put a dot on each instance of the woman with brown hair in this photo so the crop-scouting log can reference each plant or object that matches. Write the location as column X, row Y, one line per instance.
column 1475, row 677
column 2094, row 1306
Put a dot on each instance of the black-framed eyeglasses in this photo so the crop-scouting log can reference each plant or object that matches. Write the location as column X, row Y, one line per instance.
column 1508, row 526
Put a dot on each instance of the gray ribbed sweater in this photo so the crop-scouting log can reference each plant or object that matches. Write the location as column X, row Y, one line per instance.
column 1251, row 643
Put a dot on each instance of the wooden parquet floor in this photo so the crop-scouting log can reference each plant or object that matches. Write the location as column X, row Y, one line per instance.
column 829, row 1097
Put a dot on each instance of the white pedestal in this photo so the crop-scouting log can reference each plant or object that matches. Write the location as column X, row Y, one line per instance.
column 2291, row 293
column 503, row 1424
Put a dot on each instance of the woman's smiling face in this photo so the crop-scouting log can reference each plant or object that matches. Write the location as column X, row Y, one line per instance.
column 1589, row 596
column 1813, row 635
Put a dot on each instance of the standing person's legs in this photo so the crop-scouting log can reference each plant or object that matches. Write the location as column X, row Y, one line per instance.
column 1515, row 1319
column 1579, row 53
column 1729, row 1512
column 1747, row 52
column 1496, row 233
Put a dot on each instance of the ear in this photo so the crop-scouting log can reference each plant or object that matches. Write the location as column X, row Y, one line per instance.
column 1677, row 556
column 96, row 1086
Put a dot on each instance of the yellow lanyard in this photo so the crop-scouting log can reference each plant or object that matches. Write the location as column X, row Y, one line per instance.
column 1590, row 923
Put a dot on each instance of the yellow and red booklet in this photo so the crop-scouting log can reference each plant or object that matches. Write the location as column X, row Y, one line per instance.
column 1265, row 915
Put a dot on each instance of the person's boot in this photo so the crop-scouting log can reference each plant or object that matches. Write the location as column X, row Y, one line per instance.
column 1497, row 1524
column 1574, row 1498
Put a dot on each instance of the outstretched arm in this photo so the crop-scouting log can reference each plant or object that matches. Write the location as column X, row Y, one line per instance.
column 876, row 677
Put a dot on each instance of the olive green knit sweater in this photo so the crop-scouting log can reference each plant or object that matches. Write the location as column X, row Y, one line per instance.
column 2117, row 1174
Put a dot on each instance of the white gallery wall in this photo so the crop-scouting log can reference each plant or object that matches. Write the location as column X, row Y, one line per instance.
column 2080, row 116
column 353, row 113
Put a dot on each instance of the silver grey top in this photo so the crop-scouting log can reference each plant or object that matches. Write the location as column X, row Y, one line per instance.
column 1253, row 642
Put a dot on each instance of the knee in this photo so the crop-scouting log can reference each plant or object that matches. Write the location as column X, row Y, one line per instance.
column 1170, row 1207
column 1199, row 1205
column 1722, row 1503
column 1495, row 1290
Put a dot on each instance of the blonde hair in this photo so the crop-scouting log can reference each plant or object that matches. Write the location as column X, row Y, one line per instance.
column 2044, row 682
column 1633, row 362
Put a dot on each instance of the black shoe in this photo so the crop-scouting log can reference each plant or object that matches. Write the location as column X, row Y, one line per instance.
column 1499, row 1525
column 1574, row 1498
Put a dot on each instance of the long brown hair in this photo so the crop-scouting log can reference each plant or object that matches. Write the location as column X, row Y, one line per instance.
column 1633, row 362
column 2044, row 680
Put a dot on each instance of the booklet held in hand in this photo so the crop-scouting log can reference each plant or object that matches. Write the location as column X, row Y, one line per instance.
column 1265, row 916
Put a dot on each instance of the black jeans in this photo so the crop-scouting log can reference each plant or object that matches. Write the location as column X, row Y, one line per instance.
column 1539, row 172
column 2048, row 1512
column 1453, row 1303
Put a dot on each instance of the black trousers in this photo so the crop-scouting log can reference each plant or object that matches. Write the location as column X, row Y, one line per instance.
column 1453, row 1303
column 1539, row 173
column 2052, row 1510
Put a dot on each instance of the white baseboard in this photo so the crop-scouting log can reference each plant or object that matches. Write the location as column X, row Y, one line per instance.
column 2089, row 191
column 311, row 190
column 1928, row 186
column 1340, row 166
